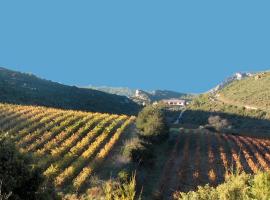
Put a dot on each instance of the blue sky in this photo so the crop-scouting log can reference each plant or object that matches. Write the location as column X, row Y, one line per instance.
column 187, row 46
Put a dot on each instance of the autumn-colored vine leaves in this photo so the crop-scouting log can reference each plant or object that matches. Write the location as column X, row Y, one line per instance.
column 68, row 145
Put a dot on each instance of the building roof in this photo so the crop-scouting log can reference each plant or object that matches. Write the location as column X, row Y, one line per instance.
column 174, row 100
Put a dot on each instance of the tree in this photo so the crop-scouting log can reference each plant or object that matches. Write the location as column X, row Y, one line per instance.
column 152, row 124
column 18, row 176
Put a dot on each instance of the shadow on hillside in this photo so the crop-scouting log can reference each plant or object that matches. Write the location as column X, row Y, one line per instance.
column 242, row 125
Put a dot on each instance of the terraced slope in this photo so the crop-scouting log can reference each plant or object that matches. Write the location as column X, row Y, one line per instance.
column 68, row 145
column 201, row 157
column 252, row 92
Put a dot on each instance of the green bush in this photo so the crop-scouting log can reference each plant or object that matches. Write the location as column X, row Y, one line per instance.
column 261, row 186
column 130, row 145
column 152, row 124
column 236, row 187
column 18, row 176
column 111, row 190
column 121, row 191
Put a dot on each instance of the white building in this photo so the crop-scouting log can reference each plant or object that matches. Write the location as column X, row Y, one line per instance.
column 175, row 102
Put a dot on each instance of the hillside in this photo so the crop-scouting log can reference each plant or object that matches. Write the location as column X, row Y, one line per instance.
column 22, row 88
column 69, row 146
column 158, row 95
column 155, row 95
column 122, row 91
column 237, row 76
column 78, row 152
column 244, row 121
column 253, row 92
column 243, row 102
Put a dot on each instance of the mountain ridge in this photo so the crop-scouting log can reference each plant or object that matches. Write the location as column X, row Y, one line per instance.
column 230, row 79
column 28, row 89
column 142, row 96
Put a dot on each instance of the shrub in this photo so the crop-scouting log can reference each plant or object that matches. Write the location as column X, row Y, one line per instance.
column 237, row 186
column 218, row 123
column 261, row 186
column 123, row 175
column 121, row 191
column 152, row 124
column 18, row 176
column 111, row 190
column 129, row 145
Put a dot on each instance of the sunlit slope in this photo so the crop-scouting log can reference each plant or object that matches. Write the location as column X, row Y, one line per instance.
column 68, row 145
column 252, row 92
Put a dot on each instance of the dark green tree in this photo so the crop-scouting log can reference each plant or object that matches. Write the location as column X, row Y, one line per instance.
column 18, row 176
column 152, row 124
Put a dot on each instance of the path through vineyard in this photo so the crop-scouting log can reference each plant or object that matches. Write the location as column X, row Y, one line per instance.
column 200, row 157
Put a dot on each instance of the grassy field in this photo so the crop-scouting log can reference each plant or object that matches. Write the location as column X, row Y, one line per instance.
column 69, row 146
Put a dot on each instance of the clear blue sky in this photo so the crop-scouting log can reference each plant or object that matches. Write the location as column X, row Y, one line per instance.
column 187, row 46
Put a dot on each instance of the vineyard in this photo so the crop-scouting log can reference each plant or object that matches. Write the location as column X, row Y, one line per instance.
column 69, row 146
column 201, row 157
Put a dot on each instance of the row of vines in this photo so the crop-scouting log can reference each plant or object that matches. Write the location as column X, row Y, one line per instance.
column 207, row 158
column 69, row 146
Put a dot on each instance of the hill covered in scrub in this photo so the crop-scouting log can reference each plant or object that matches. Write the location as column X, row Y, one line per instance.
column 123, row 91
column 28, row 89
column 237, row 76
column 242, row 120
column 243, row 103
column 251, row 92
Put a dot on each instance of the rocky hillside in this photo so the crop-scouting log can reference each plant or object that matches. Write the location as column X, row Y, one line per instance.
column 142, row 96
column 236, row 76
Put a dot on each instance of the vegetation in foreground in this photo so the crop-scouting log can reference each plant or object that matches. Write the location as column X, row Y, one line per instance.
column 240, row 186
column 19, row 178
column 121, row 188
column 201, row 157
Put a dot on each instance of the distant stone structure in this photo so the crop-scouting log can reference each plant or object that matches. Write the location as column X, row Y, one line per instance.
column 141, row 98
column 141, row 95
column 137, row 93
